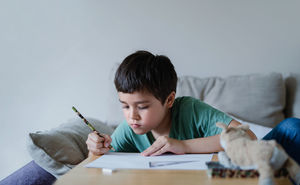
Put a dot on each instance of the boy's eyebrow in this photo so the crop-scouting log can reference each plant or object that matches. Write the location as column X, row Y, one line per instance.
column 137, row 102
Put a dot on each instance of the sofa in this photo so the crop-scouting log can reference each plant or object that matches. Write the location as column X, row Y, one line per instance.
column 260, row 100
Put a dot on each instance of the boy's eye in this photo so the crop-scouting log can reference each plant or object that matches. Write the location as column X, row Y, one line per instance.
column 125, row 107
column 139, row 107
column 145, row 107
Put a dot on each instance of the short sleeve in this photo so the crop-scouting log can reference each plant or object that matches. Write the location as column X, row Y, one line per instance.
column 122, row 139
column 206, row 118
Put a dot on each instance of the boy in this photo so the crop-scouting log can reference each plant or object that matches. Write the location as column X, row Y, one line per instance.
column 156, row 122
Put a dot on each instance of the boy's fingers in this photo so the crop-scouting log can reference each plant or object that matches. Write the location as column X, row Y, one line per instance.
column 156, row 146
column 92, row 144
column 160, row 151
column 107, row 140
column 98, row 145
column 95, row 137
column 99, row 151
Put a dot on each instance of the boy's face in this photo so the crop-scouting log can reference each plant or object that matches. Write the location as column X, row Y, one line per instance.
column 143, row 112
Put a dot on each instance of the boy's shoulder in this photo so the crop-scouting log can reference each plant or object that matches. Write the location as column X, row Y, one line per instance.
column 185, row 99
column 122, row 128
column 188, row 101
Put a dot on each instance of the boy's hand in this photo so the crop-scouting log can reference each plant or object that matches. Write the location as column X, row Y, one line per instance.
column 165, row 144
column 98, row 145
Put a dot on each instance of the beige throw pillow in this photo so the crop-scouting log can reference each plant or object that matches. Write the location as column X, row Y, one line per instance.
column 60, row 149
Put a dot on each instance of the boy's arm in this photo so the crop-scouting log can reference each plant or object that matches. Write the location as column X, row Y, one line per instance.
column 210, row 144
column 235, row 123
column 199, row 145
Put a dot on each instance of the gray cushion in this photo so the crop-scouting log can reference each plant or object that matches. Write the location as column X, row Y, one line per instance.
column 60, row 149
column 292, row 82
column 256, row 98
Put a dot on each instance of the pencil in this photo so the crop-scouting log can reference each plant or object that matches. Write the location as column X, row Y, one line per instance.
column 90, row 125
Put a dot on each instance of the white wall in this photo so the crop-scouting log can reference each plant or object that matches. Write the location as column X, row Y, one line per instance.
column 56, row 54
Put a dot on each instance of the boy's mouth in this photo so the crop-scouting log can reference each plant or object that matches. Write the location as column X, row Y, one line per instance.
column 135, row 125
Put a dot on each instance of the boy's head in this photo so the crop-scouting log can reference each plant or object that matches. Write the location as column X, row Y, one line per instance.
column 143, row 71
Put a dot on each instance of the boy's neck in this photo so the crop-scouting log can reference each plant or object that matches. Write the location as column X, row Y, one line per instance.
column 164, row 127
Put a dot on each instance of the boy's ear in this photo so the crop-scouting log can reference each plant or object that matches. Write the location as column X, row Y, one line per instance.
column 170, row 99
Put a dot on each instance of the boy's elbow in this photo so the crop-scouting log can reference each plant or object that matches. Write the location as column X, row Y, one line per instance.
column 235, row 123
column 252, row 135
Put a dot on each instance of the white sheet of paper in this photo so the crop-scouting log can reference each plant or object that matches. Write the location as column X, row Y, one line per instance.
column 120, row 160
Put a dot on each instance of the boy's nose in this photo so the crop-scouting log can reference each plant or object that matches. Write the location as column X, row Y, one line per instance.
column 134, row 115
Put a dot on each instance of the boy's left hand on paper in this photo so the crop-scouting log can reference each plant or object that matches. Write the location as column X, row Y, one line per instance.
column 165, row 144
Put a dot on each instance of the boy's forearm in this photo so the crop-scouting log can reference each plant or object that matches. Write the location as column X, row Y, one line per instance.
column 203, row 145
column 210, row 144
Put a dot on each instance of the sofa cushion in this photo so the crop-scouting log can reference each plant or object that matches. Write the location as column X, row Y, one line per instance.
column 292, row 82
column 60, row 149
column 256, row 98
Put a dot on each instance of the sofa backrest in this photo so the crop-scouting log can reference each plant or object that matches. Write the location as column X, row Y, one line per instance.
column 292, row 83
column 255, row 98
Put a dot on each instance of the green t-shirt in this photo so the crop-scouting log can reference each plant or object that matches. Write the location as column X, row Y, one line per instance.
column 191, row 118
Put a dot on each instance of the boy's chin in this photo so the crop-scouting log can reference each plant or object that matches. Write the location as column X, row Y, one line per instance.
column 139, row 132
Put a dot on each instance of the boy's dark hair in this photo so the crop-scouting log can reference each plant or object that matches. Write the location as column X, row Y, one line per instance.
column 144, row 71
